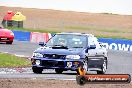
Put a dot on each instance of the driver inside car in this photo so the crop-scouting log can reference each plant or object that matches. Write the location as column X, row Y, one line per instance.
column 62, row 42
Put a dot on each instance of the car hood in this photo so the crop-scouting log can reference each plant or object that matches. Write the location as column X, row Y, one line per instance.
column 47, row 50
column 5, row 32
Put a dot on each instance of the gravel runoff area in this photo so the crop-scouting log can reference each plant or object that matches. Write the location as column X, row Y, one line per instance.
column 46, row 83
column 42, row 83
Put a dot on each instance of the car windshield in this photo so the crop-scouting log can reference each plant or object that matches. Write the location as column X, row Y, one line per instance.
column 68, row 40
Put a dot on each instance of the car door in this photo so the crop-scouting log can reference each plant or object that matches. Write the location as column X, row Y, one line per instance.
column 98, row 51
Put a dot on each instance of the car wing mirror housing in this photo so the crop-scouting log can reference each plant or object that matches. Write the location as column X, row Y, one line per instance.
column 41, row 43
column 90, row 47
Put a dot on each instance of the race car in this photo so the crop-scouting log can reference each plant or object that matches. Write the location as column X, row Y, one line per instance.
column 6, row 35
column 69, row 51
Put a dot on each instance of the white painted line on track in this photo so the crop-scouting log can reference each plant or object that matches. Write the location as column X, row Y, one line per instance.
column 59, row 79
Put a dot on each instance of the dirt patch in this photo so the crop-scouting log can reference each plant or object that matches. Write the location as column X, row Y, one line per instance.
column 69, row 21
column 42, row 83
column 55, row 16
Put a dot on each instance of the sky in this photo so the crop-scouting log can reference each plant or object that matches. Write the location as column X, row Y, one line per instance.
column 95, row 6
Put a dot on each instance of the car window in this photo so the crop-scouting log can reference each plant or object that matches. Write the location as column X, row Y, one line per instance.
column 70, row 40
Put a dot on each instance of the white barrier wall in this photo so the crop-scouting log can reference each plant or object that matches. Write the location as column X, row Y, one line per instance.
column 114, row 46
column 117, row 44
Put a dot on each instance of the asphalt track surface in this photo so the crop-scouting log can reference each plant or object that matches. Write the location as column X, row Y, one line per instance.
column 119, row 62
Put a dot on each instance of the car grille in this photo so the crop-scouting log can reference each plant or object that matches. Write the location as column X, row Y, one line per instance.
column 51, row 63
column 54, row 56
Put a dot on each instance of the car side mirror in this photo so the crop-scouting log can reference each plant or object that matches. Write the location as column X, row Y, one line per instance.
column 90, row 47
column 41, row 43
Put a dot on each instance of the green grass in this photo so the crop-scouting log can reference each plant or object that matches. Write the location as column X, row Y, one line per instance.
column 111, row 30
column 114, row 37
column 83, row 29
column 52, row 30
column 7, row 60
column 34, row 30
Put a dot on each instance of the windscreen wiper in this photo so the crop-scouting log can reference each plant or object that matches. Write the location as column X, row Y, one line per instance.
column 77, row 47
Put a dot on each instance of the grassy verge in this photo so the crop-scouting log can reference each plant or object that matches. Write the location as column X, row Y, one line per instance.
column 98, row 29
column 34, row 30
column 113, row 37
column 84, row 29
column 7, row 60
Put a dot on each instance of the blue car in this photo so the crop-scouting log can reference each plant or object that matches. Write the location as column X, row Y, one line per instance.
column 68, row 51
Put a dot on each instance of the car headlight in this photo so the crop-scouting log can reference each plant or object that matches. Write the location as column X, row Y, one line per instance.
column 37, row 62
column 12, row 34
column 39, row 55
column 72, row 57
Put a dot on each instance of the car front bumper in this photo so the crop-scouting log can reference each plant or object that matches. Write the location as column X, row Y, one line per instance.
column 6, row 39
column 57, row 63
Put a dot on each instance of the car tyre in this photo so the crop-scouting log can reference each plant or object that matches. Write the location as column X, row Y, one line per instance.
column 37, row 70
column 59, row 71
column 103, row 68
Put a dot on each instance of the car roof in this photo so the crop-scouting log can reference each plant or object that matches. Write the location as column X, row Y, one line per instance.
column 91, row 35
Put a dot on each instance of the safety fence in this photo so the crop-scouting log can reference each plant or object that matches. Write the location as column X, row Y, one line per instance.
column 116, row 44
column 109, row 43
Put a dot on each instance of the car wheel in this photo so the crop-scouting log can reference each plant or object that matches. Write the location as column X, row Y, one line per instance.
column 58, row 71
column 81, row 80
column 9, row 42
column 37, row 70
column 85, row 64
column 103, row 67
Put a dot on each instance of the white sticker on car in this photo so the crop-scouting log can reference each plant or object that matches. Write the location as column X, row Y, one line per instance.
column 69, row 64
